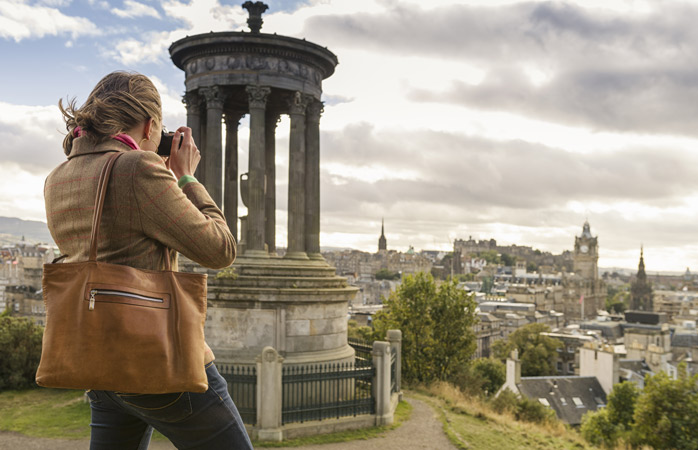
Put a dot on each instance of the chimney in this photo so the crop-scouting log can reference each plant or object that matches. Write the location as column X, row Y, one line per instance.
column 513, row 370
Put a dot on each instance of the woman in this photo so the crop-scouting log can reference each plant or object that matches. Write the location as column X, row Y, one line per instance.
column 146, row 210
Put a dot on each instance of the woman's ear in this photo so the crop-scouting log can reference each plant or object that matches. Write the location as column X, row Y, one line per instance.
column 148, row 128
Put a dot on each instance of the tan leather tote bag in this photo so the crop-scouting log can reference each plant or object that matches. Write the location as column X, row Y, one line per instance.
column 116, row 328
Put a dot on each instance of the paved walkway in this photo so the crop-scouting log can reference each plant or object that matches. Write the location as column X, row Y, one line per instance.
column 422, row 431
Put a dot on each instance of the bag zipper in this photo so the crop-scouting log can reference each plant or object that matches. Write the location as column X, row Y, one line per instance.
column 94, row 292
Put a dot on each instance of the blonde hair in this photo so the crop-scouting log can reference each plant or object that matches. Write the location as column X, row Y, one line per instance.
column 120, row 101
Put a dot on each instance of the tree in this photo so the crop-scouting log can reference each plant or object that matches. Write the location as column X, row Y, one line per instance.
column 491, row 372
column 491, row 256
column 20, row 351
column 536, row 352
column 437, row 327
column 385, row 274
column 597, row 429
column 355, row 331
column 666, row 413
column 508, row 260
column 606, row 426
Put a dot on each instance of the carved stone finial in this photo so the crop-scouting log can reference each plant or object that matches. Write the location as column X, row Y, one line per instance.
column 255, row 9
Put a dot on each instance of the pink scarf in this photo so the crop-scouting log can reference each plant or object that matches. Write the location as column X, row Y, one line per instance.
column 123, row 138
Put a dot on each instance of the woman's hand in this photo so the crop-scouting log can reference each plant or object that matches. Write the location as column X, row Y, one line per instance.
column 183, row 159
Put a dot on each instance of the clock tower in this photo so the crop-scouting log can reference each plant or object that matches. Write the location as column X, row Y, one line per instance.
column 586, row 254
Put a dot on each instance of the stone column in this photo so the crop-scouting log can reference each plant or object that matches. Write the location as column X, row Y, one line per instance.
column 312, row 179
column 381, row 383
column 257, row 96
column 296, row 178
column 230, row 188
column 395, row 340
column 269, row 398
column 212, row 159
column 272, row 119
column 192, row 101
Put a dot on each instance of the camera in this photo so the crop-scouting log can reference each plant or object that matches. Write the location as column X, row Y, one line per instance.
column 166, row 143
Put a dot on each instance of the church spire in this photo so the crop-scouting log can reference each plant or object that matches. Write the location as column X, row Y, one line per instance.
column 640, row 288
column 382, row 242
column 641, row 266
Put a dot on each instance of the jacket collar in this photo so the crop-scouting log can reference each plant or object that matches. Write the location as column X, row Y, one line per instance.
column 84, row 146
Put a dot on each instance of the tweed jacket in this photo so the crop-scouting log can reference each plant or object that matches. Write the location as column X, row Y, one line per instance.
column 145, row 211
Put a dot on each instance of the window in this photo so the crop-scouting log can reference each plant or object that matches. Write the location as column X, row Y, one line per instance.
column 578, row 402
column 559, row 366
column 563, row 402
column 544, row 401
column 570, row 367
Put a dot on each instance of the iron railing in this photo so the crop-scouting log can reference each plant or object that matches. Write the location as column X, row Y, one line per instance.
column 363, row 350
column 318, row 392
column 242, row 387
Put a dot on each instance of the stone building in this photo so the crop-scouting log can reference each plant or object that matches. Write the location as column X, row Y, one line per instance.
column 584, row 292
column 21, row 267
column 488, row 330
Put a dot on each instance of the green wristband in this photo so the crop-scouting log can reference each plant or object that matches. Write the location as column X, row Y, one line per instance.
column 186, row 179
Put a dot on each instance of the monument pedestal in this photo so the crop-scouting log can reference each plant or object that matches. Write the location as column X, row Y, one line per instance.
column 298, row 307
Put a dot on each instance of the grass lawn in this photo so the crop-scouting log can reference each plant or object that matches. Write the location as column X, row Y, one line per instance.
column 49, row 413
column 63, row 414
column 469, row 427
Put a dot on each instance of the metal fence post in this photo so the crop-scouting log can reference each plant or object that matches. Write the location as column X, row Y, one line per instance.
column 381, row 384
column 269, row 365
column 395, row 339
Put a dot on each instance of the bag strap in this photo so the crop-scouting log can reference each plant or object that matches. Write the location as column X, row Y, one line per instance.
column 99, row 206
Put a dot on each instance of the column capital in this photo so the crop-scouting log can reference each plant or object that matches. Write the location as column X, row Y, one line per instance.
column 232, row 117
column 192, row 100
column 257, row 95
column 314, row 110
column 298, row 103
column 214, row 96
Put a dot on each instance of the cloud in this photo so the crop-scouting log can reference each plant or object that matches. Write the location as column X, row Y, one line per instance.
column 32, row 137
column 199, row 16
column 132, row 9
column 19, row 20
column 555, row 61
column 456, row 169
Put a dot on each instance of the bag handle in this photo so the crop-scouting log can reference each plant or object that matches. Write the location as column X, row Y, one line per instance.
column 99, row 206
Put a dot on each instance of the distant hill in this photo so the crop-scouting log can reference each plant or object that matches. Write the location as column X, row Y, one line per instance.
column 12, row 229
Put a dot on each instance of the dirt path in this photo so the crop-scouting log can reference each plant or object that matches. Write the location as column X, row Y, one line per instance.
column 422, row 431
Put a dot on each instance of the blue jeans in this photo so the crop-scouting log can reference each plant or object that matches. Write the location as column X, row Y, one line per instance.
column 207, row 421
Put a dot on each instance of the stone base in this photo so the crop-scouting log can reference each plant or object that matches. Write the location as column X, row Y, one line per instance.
column 298, row 307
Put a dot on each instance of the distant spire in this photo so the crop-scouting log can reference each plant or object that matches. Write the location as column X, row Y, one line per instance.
column 382, row 242
column 641, row 266
column 586, row 229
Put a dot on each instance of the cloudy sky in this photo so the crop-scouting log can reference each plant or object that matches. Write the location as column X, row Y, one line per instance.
column 513, row 120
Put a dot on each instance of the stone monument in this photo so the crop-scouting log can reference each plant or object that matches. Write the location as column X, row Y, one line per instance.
column 295, row 303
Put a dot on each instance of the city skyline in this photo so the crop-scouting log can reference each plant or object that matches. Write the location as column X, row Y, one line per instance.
column 509, row 120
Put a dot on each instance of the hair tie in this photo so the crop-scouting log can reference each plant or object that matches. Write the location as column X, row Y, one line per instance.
column 77, row 132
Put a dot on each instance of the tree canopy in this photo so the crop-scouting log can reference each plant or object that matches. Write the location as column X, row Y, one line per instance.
column 437, row 327
column 20, row 351
column 663, row 415
column 537, row 352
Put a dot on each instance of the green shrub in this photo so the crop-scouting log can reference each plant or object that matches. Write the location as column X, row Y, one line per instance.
column 506, row 401
column 20, row 351
column 529, row 410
